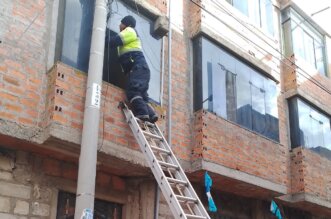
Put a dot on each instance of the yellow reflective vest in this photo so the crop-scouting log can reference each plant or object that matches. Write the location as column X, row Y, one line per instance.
column 130, row 40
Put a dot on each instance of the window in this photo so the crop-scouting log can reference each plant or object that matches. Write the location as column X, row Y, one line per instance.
column 74, row 43
column 260, row 12
column 307, row 43
column 77, row 33
column 309, row 127
column 102, row 209
column 151, row 48
column 234, row 90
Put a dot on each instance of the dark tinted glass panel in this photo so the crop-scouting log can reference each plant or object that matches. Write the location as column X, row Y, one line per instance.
column 239, row 93
column 244, row 97
column 77, row 33
column 151, row 48
column 309, row 127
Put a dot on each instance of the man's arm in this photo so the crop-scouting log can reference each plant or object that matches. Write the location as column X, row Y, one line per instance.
column 113, row 41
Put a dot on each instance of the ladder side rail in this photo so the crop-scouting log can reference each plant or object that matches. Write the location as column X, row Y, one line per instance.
column 155, row 167
column 183, row 176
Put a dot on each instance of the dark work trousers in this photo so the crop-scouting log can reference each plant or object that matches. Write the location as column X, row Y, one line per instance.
column 136, row 91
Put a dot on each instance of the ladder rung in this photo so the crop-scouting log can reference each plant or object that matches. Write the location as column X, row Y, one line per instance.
column 152, row 135
column 161, row 150
column 145, row 122
column 191, row 216
column 169, row 165
column 186, row 199
column 177, row 181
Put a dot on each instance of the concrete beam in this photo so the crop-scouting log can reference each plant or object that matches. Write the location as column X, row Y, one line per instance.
column 241, row 176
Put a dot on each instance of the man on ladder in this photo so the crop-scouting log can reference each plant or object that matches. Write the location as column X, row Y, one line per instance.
column 134, row 65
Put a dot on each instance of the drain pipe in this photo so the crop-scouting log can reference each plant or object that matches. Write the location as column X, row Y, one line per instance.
column 169, row 77
column 157, row 194
column 88, row 152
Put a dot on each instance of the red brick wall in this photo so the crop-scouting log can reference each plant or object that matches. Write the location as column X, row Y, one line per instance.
column 159, row 4
column 222, row 142
column 68, row 106
column 22, row 61
column 312, row 84
column 311, row 173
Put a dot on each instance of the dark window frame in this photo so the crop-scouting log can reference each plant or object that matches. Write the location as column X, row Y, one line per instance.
column 102, row 209
column 227, row 103
column 297, row 129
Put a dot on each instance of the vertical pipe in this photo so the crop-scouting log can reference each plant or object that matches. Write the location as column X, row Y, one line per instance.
column 88, row 153
column 162, row 72
column 169, row 77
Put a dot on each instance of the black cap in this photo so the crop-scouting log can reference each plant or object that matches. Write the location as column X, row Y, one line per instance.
column 129, row 21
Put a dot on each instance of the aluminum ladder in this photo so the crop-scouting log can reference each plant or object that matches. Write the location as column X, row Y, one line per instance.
column 176, row 188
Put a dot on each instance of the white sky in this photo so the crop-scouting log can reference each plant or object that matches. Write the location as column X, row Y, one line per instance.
column 323, row 18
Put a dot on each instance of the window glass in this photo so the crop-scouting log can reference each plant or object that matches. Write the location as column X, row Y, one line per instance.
column 313, row 129
column 258, row 102
column 102, row 209
column 241, row 5
column 260, row 12
column 319, row 51
column 239, row 93
column 307, row 43
column 244, row 99
column 77, row 32
column 151, row 48
column 267, row 16
column 298, row 45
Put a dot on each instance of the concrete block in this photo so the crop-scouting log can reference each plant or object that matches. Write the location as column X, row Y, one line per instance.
column 14, row 190
column 6, row 175
column 4, row 204
column 22, row 207
column 7, row 216
column 40, row 209
column 6, row 163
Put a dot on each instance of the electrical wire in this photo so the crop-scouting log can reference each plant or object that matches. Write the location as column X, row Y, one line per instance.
column 109, row 13
column 292, row 66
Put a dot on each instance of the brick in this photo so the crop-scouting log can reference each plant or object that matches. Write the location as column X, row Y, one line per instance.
column 7, row 216
column 118, row 183
column 103, row 179
column 6, row 163
column 26, row 121
column 13, row 64
column 70, row 172
column 11, row 80
column 15, row 190
column 6, row 175
column 8, row 97
column 21, row 208
column 52, row 167
column 8, row 116
column 4, row 204
column 40, row 209
column 59, row 118
column 29, row 103
column 11, row 108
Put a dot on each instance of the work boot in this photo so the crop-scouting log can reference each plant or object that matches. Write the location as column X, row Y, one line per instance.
column 140, row 109
column 152, row 115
